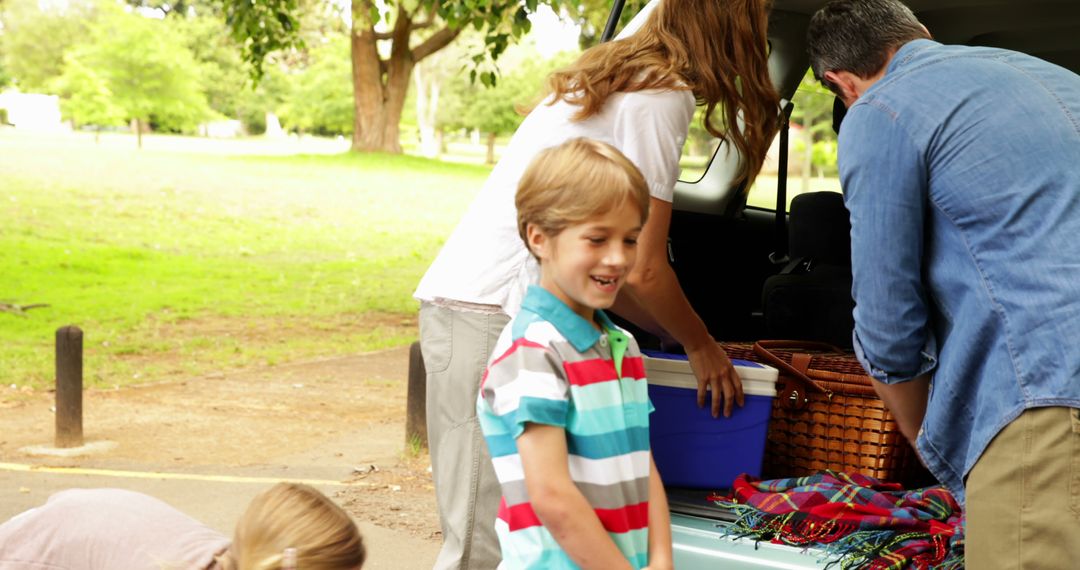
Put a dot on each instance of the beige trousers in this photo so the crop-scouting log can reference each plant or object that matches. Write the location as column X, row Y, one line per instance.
column 456, row 346
column 1023, row 495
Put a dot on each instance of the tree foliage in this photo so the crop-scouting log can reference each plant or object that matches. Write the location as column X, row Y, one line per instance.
column 221, row 71
column 85, row 97
column 388, row 38
column 499, row 109
column 813, row 105
column 36, row 37
column 592, row 16
column 148, row 68
column 5, row 77
column 321, row 100
column 263, row 27
column 167, row 8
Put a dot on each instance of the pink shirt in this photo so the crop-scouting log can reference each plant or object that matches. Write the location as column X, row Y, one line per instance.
column 107, row 529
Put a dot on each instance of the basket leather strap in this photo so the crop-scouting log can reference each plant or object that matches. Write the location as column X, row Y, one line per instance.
column 801, row 361
column 797, row 385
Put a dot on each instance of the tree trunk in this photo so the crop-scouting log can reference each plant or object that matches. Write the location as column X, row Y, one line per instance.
column 379, row 87
column 379, row 103
column 138, row 131
column 368, row 96
column 491, row 148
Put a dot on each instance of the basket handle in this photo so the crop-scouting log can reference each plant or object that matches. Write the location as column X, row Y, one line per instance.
column 795, row 394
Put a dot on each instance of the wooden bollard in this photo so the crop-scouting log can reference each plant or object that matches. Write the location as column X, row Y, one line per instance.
column 416, row 400
column 69, row 387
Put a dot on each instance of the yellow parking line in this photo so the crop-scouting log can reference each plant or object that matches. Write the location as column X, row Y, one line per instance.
column 179, row 476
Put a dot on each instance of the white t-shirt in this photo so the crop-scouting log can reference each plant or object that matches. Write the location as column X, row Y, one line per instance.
column 107, row 529
column 484, row 262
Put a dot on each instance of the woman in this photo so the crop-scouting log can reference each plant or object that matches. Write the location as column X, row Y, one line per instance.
column 286, row 527
column 637, row 94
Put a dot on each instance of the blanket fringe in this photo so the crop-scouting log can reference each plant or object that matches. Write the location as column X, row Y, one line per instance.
column 845, row 546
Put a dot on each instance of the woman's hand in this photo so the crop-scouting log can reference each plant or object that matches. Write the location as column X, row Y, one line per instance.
column 714, row 371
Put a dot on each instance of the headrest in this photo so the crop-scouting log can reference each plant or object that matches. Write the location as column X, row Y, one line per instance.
column 819, row 228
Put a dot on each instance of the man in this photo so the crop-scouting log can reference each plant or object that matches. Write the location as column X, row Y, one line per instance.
column 961, row 170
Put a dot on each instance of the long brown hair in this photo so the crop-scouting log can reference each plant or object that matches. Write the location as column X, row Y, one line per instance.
column 714, row 48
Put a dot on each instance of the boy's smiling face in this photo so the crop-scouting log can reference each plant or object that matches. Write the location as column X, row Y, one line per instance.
column 587, row 263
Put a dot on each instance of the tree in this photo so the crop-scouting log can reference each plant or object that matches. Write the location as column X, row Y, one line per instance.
column 223, row 75
column 166, row 7
column 592, row 16
column 321, row 100
column 86, row 99
column 5, row 76
column 441, row 87
column 36, row 36
column 498, row 110
column 409, row 30
column 813, row 105
column 151, row 73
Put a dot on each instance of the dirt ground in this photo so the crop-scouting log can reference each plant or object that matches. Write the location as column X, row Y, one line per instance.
column 339, row 419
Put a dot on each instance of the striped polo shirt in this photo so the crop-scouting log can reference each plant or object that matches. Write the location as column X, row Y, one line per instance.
column 550, row 366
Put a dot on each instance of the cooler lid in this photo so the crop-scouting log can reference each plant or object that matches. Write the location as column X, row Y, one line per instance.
column 674, row 370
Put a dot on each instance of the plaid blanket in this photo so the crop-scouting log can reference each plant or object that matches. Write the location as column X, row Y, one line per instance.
column 862, row 522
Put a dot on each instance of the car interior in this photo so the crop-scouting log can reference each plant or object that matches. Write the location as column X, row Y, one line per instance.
column 757, row 272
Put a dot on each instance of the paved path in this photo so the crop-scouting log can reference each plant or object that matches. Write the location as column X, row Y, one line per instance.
column 216, row 503
column 217, row 488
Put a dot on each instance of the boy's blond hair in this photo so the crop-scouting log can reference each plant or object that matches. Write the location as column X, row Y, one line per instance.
column 574, row 181
column 294, row 516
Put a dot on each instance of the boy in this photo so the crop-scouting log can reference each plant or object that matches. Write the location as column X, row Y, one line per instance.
column 564, row 403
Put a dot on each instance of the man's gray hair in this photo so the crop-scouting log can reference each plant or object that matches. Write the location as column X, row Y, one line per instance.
column 858, row 35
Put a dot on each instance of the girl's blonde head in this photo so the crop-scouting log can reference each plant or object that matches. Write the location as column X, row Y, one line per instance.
column 574, row 181
column 296, row 516
column 715, row 48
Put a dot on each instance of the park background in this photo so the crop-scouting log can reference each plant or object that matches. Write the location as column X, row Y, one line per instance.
column 196, row 204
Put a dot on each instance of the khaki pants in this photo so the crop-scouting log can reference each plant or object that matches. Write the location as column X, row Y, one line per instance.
column 456, row 346
column 1023, row 495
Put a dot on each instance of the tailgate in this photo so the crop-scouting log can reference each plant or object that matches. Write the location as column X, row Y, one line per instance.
column 697, row 533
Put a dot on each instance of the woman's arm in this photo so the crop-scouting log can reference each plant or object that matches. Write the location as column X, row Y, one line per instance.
column 660, row 556
column 559, row 504
column 653, row 288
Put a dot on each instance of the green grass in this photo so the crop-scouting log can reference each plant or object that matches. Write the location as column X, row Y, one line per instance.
column 176, row 261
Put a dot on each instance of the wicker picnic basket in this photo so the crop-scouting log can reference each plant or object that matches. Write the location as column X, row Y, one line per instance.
column 827, row 416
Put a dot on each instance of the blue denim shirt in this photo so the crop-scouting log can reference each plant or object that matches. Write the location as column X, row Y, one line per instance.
column 961, row 170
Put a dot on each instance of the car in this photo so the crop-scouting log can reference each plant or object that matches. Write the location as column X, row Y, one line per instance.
column 727, row 252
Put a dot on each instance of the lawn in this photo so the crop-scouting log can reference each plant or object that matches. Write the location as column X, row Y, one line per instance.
column 192, row 256
column 195, row 255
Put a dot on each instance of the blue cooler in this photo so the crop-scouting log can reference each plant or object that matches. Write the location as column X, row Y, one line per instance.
column 694, row 449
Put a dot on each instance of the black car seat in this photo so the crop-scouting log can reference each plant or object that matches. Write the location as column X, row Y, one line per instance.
column 810, row 299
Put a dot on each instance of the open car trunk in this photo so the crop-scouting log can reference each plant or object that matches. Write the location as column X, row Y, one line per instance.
column 699, row 540
column 714, row 233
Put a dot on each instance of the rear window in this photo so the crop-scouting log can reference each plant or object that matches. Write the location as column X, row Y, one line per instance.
column 811, row 152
